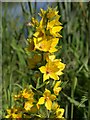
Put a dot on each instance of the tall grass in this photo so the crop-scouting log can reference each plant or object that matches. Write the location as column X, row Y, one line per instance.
column 75, row 53
column 75, row 18
column 0, row 60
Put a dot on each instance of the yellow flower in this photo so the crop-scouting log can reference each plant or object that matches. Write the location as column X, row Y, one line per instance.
column 59, row 113
column 50, row 71
column 46, row 45
column 53, row 25
column 34, row 22
column 50, row 24
column 47, row 99
column 43, row 45
column 57, row 20
column 16, row 97
column 57, row 62
column 57, row 89
column 28, row 94
column 25, row 93
column 49, row 57
column 43, row 12
column 28, row 105
column 13, row 113
column 51, row 13
column 54, row 31
column 60, row 65
column 54, row 42
column 40, row 31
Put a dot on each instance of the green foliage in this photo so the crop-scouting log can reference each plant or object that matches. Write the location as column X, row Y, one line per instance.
column 75, row 53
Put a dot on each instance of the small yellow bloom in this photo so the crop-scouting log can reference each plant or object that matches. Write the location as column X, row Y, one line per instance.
column 57, row 20
column 43, row 45
column 59, row 113
column 54, row 31
column 57, row 89
column 46, row 45
column 28, row 94
column 52, row 69
column 49, row 71
column 57, row 62
column 47, row 99
column 60, row 65
column 53, row 25
column 54, row 42
column 49, row 57
column 25, row 93
column 50, row 24
column 51, row 13
column 16, row 97
column 40, row 31
column 34, row 22
column 28, row 105
column 13, row 113
column 43, row 12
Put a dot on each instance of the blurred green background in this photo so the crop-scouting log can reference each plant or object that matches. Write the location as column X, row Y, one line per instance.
column 75, row 96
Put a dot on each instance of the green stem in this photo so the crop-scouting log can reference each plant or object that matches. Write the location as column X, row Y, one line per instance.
column 66, row 110
column 88, row 99
column 48, row 114
column 72, row 106
column 30, row 8
column 10, row 88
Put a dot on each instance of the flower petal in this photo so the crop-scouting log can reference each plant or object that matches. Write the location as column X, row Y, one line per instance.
column 52, row 97
column 59, row 72
column 41, row 100
column 47, row 93
column 52, row 50
column 56, row 29
column 57, row 90
column 28, row 105
column 42, row 69
column 59, row 112
column 45, row 77
column 48, row 104
column 57, row 84
column 54, row 76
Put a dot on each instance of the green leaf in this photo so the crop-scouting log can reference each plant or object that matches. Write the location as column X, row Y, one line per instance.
column 76, row 103
column 38, row 83
column 84, row 99
column 21, row 59
column 74, row 83
column 63, row 84
column 40, row 86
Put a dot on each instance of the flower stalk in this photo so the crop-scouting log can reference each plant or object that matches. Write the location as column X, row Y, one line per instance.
column 47, row 69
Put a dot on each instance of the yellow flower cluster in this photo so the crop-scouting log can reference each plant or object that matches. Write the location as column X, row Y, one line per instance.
column 13, row 113
column 27, row 96
column 47, row 34
column 42, row 47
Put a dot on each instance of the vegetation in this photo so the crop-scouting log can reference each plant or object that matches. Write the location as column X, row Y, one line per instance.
column 75, row 95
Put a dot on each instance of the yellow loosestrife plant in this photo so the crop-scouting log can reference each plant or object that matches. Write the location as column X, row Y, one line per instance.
column 41, row 101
